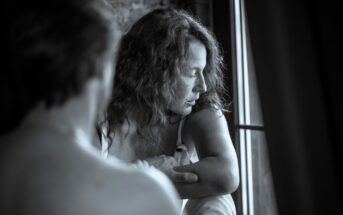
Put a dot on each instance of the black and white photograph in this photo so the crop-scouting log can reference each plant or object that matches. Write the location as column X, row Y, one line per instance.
column 171, row 107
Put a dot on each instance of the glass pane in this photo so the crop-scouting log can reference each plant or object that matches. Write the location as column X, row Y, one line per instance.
column 254, row 104
column 264, row 198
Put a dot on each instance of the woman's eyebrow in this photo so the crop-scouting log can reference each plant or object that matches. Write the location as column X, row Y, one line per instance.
column 198, row 68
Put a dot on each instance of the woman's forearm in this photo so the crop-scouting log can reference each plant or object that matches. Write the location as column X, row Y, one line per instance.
column 216, row 176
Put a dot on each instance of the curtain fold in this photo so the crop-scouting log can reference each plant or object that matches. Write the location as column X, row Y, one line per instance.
column 296, row 68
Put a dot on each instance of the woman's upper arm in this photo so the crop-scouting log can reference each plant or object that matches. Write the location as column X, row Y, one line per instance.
column 207, row 129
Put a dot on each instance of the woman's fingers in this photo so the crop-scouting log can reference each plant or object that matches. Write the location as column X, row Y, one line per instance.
column 183, row 177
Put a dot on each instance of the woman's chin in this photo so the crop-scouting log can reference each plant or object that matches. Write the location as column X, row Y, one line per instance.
column 186, row 111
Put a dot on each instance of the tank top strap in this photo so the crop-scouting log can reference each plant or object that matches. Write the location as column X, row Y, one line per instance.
column 103, row 141
column 104, row 148
column 179, row 142
column 181, row 152
column 189, row 155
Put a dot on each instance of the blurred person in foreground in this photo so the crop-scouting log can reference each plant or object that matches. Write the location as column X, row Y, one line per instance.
column 56, row 76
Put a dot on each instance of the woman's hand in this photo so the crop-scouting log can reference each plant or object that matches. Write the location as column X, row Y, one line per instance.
column 167, row 163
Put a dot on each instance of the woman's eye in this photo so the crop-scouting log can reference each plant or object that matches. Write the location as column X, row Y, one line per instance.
column 192, row 73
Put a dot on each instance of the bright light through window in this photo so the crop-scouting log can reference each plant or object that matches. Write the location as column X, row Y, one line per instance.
column 256, row 194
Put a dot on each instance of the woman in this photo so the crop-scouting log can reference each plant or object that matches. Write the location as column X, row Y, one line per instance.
column 167, row 110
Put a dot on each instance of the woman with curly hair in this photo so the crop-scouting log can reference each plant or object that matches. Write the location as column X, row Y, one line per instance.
column 167, row 109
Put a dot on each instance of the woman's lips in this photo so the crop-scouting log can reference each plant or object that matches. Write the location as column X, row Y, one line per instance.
column 191, row 103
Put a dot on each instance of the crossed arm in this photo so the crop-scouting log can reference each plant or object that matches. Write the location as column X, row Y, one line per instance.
column 216, row 172
column 217, row 168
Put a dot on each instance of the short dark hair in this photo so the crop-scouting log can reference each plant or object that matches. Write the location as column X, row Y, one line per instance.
column 150, row 56
column 51, row 49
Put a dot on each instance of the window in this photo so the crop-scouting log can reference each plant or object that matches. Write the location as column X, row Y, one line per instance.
column 256, row 193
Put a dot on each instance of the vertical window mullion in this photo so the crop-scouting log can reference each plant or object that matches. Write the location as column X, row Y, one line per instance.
column 244, row 111
column 243, row 159
column 241, row 110
column 247, row 113
column 256, row 178
column 238, row 38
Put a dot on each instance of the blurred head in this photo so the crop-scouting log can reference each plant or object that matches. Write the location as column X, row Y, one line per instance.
column 168, row 63
column 52, row 48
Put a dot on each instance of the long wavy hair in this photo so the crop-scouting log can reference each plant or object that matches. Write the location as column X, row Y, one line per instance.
column 150, row 57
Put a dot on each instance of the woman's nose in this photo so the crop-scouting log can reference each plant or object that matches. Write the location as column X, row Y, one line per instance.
column 201, row 86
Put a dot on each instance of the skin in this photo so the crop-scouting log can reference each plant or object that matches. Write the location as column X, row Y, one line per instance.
column 62, row 178
column 205, row 132
column 191, row 82
column 49, row 167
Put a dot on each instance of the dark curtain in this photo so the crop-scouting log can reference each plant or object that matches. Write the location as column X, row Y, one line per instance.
column 297, row 50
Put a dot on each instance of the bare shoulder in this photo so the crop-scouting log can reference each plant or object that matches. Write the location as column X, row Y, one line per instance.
column 207, row 131
column 205, row 121
column 157, row 191
column 139, row 191
column 71, row 180
column 116, row 188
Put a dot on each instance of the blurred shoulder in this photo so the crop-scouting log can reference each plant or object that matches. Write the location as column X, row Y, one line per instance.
column 148, row 190
column 69, row 179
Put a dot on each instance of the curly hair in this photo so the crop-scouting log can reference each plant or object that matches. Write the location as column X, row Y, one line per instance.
column 52, row 49
column 150, row 57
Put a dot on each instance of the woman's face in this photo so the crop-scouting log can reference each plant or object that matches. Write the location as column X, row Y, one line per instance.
column 190, row 83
